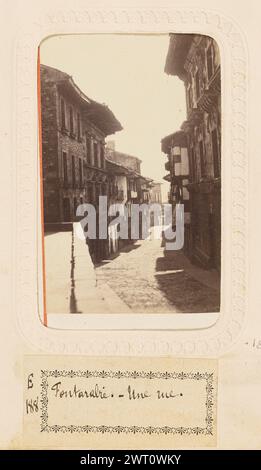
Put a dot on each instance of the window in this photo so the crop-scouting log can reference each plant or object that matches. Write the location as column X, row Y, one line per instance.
column 78, row 127
column 99, row 163
column 215, row 153
column 88, row 150
column 97, row 193
column 201, row 156
column 192, row 165
column 104, row 189
column 102, row 157
column 133, row 186
column 190, row 97
column 197, row 84
column 210, row 66
column 63, row 114
column 95, row 149
column 73, row 171
column 71, row 121
column 90, row 193
column 75, row 204
column 65, row 168
column 80, row 172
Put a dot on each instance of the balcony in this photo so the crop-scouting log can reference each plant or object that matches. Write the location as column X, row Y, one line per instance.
column 214, row 83
column 208, row 101
column 209, row 97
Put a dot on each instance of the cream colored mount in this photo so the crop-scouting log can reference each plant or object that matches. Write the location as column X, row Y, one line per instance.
column 220, row 337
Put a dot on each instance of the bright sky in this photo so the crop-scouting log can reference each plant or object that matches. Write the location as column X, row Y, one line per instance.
column 127, row 73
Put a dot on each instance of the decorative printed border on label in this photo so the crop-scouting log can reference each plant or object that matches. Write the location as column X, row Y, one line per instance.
column 119, row 402
column 208, row 377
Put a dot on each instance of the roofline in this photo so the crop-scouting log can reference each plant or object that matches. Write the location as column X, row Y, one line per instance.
column 68, row 79
column 179, row 46
column 129, row 170
column 124, row 153
column 54, row 68
column 166, row 141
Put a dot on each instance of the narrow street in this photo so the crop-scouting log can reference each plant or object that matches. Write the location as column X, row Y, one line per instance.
column 142, row 278
column 118, row 170
column 149, row 279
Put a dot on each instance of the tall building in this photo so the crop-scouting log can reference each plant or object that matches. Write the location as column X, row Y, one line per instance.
column 194, row 151
column 74, row 128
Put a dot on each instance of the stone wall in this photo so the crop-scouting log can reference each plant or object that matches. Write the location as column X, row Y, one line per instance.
column 49, row 149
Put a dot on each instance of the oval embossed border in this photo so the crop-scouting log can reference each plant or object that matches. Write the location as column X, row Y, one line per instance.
column 209, row 342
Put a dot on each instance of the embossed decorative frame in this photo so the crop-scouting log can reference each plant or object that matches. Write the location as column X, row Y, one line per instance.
column 206, row 342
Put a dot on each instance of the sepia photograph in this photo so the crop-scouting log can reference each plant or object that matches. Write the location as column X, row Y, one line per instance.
column 130, row 166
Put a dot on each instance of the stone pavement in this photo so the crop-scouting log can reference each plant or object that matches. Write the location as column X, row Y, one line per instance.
column 149, row 279
column 143, row 278
column 71, row 285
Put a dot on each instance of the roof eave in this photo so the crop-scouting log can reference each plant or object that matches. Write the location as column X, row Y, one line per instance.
column 179, row 46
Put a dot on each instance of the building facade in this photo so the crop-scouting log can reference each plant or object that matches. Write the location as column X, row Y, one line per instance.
column 175, row 147
column 126, row 178
column 74, row 129
column 118, row 194
column 129, row 187
column 132, row 165
column 194, row 151
column 155, row 193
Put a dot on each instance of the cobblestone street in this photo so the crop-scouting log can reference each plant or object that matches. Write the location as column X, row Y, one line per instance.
column 149, row 279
